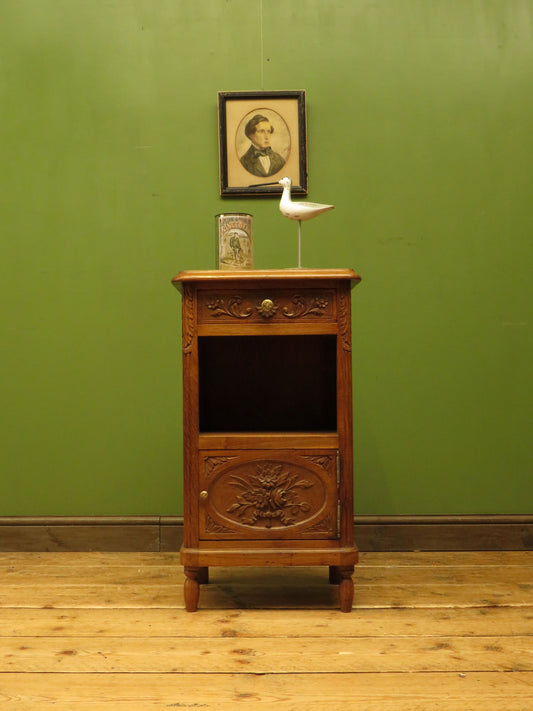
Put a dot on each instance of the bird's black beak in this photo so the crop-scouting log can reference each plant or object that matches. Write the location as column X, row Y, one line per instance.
column 260, row 185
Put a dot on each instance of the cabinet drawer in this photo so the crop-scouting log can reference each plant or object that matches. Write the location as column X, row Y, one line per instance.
column 268, row 495
column 272, row 305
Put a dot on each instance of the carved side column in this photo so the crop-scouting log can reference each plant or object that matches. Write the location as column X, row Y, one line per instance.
column 190, row 420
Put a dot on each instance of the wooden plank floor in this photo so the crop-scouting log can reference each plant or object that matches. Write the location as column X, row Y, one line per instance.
column 104, row 631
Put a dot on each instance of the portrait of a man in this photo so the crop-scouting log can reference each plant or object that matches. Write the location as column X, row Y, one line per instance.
column 262, row 138
column 260, row 159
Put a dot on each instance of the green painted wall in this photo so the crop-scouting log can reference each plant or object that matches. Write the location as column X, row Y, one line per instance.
column 420, row 116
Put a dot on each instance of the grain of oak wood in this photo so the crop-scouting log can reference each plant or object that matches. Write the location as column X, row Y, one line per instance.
column 286, row 692
column 144, row 623
column 267, row 655
column 108, row 631
column 258, row 588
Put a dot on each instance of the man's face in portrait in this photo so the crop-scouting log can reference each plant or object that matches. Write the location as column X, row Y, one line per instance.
column 261, row 137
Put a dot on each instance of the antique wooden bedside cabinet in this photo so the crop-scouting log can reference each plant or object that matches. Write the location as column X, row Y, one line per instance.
column 267, row 422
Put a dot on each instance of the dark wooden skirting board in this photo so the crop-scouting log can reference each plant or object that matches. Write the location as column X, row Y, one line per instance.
column 165, row 533
column 444, row 533
column 91, row 533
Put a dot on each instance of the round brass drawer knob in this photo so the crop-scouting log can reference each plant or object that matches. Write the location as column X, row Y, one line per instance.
column 268, row 308
column 204, row 495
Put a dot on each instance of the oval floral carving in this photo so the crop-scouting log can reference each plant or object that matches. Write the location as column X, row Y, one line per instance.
column 268, row 494
column 273, row 492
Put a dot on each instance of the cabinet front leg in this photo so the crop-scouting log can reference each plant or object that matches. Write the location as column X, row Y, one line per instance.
column 191, row 588
column 346, row 587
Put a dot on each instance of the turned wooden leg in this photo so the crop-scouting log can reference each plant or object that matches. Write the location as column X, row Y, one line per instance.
column 191, row 588
column 334, row 575
column 346, row 587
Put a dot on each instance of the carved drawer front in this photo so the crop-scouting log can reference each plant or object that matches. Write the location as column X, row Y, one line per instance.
column 267, row 305
column 268, row 495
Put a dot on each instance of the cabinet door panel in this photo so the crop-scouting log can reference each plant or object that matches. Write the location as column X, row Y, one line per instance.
column 268, row 495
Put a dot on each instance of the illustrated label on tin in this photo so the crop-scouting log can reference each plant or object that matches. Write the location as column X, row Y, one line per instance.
column 235, row 241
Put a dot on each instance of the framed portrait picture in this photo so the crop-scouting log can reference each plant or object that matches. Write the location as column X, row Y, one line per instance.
column 262, row 138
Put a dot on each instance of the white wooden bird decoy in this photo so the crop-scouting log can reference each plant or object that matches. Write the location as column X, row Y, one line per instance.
column 299, row 211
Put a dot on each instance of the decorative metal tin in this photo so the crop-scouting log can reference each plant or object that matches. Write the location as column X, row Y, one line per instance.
column 234, row 240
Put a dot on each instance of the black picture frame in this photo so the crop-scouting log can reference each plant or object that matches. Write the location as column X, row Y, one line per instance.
column 242, row 172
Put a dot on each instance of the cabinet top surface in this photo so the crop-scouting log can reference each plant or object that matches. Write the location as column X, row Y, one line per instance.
column 216, row 276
